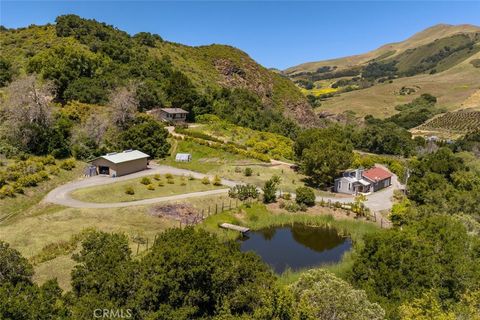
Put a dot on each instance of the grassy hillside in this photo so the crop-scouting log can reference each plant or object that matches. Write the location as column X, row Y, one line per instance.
column 441, row 60
column 113, row 58
column 388, row 50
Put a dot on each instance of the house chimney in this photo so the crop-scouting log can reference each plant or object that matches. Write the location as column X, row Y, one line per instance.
column 359, row 173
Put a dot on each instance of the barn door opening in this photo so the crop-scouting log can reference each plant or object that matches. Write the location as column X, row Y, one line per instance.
column 103, row 170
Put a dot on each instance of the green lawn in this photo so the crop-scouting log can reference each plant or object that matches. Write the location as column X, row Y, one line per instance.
column 116, row 192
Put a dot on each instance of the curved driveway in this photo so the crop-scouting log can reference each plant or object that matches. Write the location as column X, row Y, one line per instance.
column 61, row 195
column 376, row 202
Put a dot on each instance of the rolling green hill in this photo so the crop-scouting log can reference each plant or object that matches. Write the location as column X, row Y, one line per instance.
column 87, row 59
column 441, row 60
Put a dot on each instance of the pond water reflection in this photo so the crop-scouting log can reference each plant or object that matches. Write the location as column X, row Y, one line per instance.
column 296, row 246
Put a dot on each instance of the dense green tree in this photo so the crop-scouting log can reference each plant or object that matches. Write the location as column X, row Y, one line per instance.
column 375, row 70
column 244, row 108
column 320, row 295
column 88, row 90
column 211, row 277
column 323, row 153
column 64, row 63
column 385, row 138
column 469, row 142
column 324, row 161
column 146, row 38
column 416, row 112
column 442, row 183
column 187, row 274
column 433, row 253
column 20, row 298
column 6, row 71
column 147, row 135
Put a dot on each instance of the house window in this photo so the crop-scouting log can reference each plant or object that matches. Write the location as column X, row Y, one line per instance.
column 339, row 184
column 349, row 186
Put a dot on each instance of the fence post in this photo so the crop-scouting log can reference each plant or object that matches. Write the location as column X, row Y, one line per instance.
column 138, row 246
column 202, row 213
column 147, row 245
column 223, row 207
column 216, row 208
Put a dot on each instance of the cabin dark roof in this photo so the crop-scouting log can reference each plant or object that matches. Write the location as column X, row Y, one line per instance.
column 174, row 110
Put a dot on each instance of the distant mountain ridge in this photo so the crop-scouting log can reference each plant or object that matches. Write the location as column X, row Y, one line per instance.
column 421, row 38
column 443, row 60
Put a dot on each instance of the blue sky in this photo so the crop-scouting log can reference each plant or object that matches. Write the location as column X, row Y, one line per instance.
column 276, row 34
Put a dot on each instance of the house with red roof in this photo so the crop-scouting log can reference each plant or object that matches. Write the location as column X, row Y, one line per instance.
column 363, row 181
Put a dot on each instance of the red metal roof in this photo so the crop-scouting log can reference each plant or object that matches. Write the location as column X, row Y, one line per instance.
column 377, row 174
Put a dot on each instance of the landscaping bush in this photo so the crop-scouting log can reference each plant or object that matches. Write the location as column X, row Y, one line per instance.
column 157, row 177
column 68, row 164
column 248, row 172
column 291, row 206
column 54, row 170
column 170, row 181
column 191, row 177
column 169, row 176
column 305, row 195
column 30, row 180
column 145, row 181
column 217, row 181
column 161, row 184
column 243, row 192
column 129, row 190
column 206, row 180
column 150, row 187
column 270, row 189
column 7, row 191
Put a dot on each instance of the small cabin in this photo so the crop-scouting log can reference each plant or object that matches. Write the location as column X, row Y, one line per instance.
column 172, row 114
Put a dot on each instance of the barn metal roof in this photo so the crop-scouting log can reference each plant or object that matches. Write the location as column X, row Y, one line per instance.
column 125, row 156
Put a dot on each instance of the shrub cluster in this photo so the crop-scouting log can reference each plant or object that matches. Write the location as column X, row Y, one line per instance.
column 25, row 173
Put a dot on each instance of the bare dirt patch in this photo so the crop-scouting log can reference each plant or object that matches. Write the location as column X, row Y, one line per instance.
column 183, row 212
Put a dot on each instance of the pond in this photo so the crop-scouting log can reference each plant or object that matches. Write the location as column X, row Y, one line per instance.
column 296, row 246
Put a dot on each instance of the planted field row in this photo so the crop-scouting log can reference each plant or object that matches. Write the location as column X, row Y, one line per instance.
column 463, row 121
